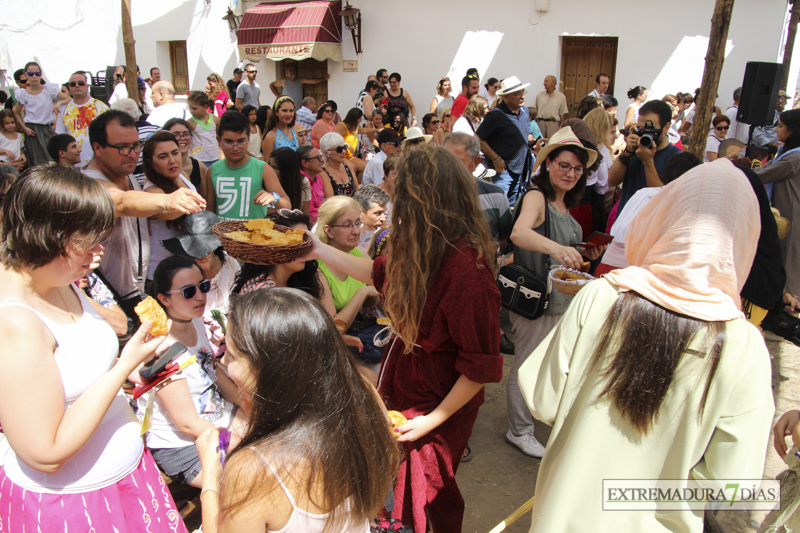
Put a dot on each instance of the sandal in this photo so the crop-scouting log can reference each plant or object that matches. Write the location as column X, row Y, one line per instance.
column 466, row 456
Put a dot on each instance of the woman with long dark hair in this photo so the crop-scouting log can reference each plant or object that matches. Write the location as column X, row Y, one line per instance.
column 279, row 132
column 254, row 145
column 444, row 305
column 319, row 455
column 559, row 186
column 191, row 167
column 161, row 159
column 654, row 372
column 286, row 165
column 784, row 173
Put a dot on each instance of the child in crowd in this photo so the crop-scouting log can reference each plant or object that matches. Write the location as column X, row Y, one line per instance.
column 297, row 468
column 199, row 397
column 205, row 147
column 11, row 149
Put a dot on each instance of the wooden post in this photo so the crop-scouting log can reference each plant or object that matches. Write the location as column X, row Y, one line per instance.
column 130, row 52
column 715, row 56
column 789, row 48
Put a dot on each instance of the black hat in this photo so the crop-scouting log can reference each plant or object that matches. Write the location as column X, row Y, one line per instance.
column 389, row 135
column 197, row 240
column 237, row 70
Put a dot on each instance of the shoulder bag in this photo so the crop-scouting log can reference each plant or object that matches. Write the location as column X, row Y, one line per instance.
column 522, row 291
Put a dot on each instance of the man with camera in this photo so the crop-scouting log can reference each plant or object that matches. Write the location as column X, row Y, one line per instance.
column 647, row 151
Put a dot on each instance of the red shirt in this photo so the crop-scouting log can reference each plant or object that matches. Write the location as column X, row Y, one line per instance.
column 459, row 105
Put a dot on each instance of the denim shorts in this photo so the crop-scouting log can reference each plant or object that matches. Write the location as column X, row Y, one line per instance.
column 180, row 464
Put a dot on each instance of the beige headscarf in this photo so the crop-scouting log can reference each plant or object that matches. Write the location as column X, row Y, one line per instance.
column 691, row 247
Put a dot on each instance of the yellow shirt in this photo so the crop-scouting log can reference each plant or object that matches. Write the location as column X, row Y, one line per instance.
column 591, row 442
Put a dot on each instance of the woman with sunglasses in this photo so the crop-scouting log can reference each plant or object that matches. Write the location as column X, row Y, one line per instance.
column 719, row 131
column 353, row 133
column 323, row 125
column 338, row 172
column 75, row 455
column 37, row 99
column 161, row 159
column 430, row 126
column 198, row 174
column 199, row 397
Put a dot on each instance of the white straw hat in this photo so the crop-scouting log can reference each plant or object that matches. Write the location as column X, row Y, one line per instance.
column 511, row 85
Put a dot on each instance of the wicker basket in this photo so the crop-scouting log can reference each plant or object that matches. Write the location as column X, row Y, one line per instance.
column 259, row 254
column 570, row 287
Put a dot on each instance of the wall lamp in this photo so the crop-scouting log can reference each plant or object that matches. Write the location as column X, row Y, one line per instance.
column 352, row 19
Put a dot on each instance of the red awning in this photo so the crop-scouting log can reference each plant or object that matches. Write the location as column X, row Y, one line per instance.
column 296, row 31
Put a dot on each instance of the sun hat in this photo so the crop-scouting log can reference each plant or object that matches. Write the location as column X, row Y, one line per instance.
column 511, row 85
column 415, row 133
column 564, row 137
column 197, row 240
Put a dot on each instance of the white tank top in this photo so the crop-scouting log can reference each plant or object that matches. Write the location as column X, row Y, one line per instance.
column 85, row 353
column 302, row 521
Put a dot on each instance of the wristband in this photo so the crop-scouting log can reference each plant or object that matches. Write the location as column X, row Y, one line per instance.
column 498, row 158
column 624, row 159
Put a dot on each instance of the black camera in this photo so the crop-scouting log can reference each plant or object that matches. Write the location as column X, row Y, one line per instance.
column 649, row 135
column 783, row 324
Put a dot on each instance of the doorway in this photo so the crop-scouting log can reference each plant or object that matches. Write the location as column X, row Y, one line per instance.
column 179, row 66
column 582, row 59
column 308, row 68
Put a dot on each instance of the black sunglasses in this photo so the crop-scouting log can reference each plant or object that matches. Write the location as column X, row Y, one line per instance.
column 189, row 291
column 339, row 149
column 77, row 83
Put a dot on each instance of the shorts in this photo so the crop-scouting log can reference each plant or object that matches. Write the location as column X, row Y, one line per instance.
column 180, row 464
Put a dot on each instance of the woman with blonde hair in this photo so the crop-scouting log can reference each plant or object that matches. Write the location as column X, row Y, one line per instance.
column 442, row 100
column 444, row 119
column 443, row 302
column 217, row 92
column 473, row 116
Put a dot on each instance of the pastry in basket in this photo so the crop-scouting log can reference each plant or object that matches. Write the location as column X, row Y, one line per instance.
column 567, row 275
column 261, row 231
column 585, row 266
column 397, row 419
column 244, row 236
column 149, row 309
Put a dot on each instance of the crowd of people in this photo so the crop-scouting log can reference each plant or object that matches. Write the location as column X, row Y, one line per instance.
column 278, row 412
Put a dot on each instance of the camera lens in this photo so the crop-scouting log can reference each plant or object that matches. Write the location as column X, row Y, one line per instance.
column 646, row 140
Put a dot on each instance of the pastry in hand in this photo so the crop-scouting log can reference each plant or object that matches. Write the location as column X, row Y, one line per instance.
column 397, row 419
column 149, row 309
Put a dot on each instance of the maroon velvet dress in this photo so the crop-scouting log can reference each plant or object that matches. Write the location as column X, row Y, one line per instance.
column 459, row 333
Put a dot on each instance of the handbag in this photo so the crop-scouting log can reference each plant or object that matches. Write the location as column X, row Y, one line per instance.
column 522, row 291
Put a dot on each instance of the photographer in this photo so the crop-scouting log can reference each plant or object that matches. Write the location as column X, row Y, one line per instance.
column 646, row 153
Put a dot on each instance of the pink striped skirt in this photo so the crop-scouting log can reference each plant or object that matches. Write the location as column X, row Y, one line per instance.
column 139, row 502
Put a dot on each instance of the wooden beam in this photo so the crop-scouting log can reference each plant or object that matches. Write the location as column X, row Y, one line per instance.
column 130, row 52
column 715, row 57
column 789, row 47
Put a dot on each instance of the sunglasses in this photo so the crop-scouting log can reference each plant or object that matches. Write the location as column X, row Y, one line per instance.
column 327, row 110
column 721, row 128
column 251, row 71
column 339, row 149
column 415, row 142
column 33, row 74
column 190, row 290
column 434, row 122
column 286, row 213
column 77, row 84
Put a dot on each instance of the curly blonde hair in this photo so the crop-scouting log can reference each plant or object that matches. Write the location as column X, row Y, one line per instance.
column 436, row 200
column 220, row 86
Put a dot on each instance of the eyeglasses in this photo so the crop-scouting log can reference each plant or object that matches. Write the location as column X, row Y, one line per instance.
column 38, row 74
column 317, row 157
column 286, row 213
column 349, row 225
column 227, row 143
column 721, row 128
column 566, row 167
column 84, row 245
column 190, row 290
column 182, row 134
column 126, row 150
column 339, row 149
column 77, row 84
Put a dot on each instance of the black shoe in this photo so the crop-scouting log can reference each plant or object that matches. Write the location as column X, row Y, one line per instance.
column 467, row 456
column 506, row 346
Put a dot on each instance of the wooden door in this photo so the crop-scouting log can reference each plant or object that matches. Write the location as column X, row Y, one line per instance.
column 582, row 59
column 311, row 68
column 179, row 65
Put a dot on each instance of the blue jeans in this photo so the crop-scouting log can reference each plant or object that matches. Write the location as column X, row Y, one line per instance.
column 508, row 181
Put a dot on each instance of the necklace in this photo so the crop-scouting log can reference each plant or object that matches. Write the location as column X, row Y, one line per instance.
column 178, row 320
column 52, row 307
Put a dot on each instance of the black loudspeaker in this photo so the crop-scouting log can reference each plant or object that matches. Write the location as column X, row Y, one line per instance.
column 759, row 93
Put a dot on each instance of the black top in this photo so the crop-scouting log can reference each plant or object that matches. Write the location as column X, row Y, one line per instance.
column 194, row 177
column 764, row 285
column 505, row 137
column 232, row 86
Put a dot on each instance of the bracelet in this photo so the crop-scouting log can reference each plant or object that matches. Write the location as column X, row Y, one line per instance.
column 165, row 203
column 624, row 159
column 208, row 490
column 625, row 151
column 498, row 157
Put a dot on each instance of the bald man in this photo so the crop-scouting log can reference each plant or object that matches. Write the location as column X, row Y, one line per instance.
column 165, row 107
column 551, row 107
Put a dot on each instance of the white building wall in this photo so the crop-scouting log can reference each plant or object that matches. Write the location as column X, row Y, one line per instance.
column 661, row 46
